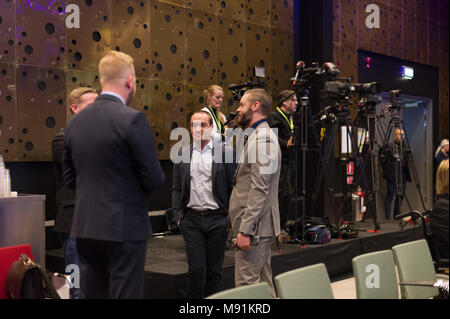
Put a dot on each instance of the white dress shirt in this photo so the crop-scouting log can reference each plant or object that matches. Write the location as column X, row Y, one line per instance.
column 201, row 193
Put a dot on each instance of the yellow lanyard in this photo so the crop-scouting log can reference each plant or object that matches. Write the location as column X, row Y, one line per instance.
column 290, row 122
column 216, row 119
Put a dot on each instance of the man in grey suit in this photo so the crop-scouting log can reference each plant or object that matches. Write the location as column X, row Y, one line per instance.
column 254, row 208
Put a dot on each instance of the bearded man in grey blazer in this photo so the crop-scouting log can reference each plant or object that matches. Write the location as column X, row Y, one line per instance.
column 254, row 211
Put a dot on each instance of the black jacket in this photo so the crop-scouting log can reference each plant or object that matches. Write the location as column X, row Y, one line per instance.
column 110, row 158
column 276, row 120
column 388, row 162
column 222, row 181
column 439, row 226
column 65, row 197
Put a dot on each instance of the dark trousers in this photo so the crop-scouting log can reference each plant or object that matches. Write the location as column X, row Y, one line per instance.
column 286, row 191
column 69, row 245
column 111, row 269
column 390, row 196
column 205, row 238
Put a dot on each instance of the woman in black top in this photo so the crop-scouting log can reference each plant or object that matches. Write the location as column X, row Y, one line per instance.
column 439, row 216
column 441, row 152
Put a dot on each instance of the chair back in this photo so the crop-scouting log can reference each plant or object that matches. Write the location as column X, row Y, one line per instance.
column 414, row 263
column 256, row 291
column 8, row 255
column 375, row 275
column 311, row 282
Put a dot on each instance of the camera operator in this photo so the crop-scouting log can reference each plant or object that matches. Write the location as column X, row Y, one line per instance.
column 282, row 119
column 388, row 164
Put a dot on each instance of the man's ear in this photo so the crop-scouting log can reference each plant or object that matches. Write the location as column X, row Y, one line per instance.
column 74, row 108
column 256, row 107
column 129, row 81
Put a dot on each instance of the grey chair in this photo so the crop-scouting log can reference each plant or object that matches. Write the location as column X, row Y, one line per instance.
column 375, row 276
column 311, row 282
column 256, row 291
column 414, row 263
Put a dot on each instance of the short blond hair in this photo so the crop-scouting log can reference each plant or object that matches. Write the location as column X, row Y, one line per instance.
column 261, row 96
column 442, row 178
column 74, row 96
column 114, row 66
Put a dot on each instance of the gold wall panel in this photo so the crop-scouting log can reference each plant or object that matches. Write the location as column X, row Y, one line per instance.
column 87, row 44
column 410, row 36
column 348, row 36
column 168, row 34
column 258, row 12
column 76, row 79
column 231, row 9
column 282, row 13
column 257, row 40
column 434, row 43
column 179, row 48
column 194, row 99
column 201, row 47
column 167, row 111
column 40, row 33
column 41, row 110
column 395, row 32
column 7, row 31
column 282, row 68
column 131, row 32
column 176, row 2
column 230, row 51
column 142, row 100
column 8, row 114
column 422, row 41
column 208, row 6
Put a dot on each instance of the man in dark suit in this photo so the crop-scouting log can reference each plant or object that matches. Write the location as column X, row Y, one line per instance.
column 110, row 156
column 78, row 99
column 201, row 191
column 282, row 119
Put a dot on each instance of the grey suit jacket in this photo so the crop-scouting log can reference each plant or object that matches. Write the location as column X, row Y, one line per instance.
column 254, row 200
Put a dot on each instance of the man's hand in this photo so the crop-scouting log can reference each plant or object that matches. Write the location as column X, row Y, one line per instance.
column 231, row 124
column 290, row 143
column 243, row 241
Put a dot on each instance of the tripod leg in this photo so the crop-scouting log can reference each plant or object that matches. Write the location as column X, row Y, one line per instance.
column 412, row 165
column 326, row 159
column 407, row 201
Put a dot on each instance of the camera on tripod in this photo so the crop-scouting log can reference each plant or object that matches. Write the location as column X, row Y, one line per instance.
column 366, row 88
column 238, row 90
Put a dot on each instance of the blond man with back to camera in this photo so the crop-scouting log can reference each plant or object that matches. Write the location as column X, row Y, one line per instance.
column 111, row 158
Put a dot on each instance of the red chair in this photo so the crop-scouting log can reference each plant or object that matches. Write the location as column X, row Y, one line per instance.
column 8, row 255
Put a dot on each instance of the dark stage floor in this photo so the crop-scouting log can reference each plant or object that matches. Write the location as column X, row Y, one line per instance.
column 166, row 267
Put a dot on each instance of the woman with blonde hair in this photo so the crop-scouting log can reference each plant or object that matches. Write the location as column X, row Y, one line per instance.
column 213, row 96
column 441, row 152
column 439, row 215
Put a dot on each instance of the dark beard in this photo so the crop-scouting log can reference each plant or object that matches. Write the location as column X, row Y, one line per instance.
column 244, row 119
